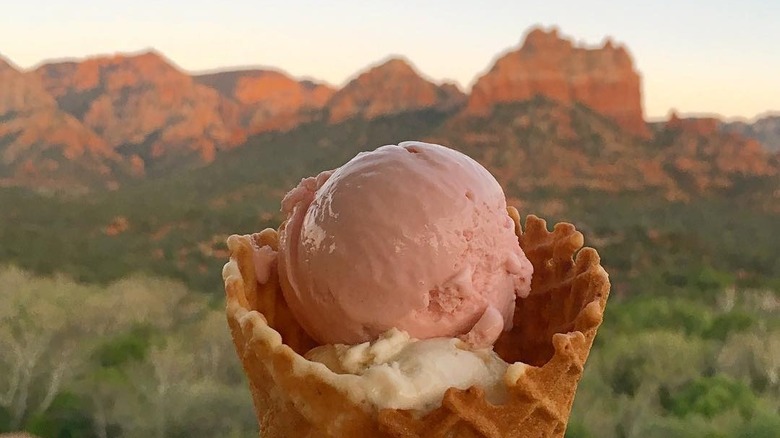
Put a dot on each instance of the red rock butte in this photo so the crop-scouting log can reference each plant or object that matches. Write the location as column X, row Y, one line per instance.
column 548, row 65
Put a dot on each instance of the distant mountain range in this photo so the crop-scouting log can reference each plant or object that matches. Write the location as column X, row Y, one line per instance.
column 765, row 129
column 190, row 159
column 104, row 121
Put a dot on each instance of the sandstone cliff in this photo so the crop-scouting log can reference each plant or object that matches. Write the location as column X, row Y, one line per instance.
column 603, row 79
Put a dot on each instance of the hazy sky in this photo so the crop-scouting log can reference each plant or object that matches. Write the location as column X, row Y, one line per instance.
column 696, row 56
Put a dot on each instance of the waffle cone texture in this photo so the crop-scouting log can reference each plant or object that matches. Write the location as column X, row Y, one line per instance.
column 547, row 348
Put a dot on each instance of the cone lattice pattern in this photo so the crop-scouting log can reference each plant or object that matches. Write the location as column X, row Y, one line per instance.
column 553, row 332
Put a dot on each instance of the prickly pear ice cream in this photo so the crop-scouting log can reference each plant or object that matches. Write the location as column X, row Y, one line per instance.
column 414, row 237
column 401, row 297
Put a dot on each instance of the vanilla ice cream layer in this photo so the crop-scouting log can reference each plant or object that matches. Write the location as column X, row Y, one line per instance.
column 399, row 372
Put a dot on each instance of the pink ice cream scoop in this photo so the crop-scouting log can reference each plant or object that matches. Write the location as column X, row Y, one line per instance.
column 414, row 237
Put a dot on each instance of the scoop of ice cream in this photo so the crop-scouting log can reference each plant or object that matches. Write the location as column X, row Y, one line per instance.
column 414, row 237
column 403, row 373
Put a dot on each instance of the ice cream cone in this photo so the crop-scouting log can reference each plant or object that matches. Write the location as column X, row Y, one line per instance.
column 552, row 335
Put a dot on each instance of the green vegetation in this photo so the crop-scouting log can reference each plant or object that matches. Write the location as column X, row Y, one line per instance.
column 666, row 366
column 141, row 357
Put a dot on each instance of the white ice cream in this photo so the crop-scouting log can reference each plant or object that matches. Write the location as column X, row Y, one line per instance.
column 399, row 372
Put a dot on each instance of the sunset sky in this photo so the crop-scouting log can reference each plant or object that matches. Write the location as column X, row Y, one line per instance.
column 697, row 56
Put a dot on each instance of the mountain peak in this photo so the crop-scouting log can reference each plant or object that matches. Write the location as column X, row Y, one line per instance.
column 21, row 92
column 143, row 57
column 547, row 64
column 389, row 87
column 148, row 64
column 251, row 86
column 150, row 53
column 397, row 65
column 6, row 64
column 394, row 68
column 539, row 39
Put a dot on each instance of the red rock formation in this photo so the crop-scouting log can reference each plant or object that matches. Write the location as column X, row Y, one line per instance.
column 710, row 158
column 269, row 100
column 36, row 137
column 542, row 143
column 603, row 79
column 392, row 87
column 118, row 225
column 697, row 125
column 144, row 100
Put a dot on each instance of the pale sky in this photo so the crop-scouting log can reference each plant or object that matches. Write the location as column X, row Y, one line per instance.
column 696, row 56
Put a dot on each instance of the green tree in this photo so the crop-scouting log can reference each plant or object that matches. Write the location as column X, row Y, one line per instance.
column 753, row 357
column 709, row 396
column 41, row 330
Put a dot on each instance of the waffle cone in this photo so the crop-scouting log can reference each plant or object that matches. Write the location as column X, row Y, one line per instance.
column 552, row 335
